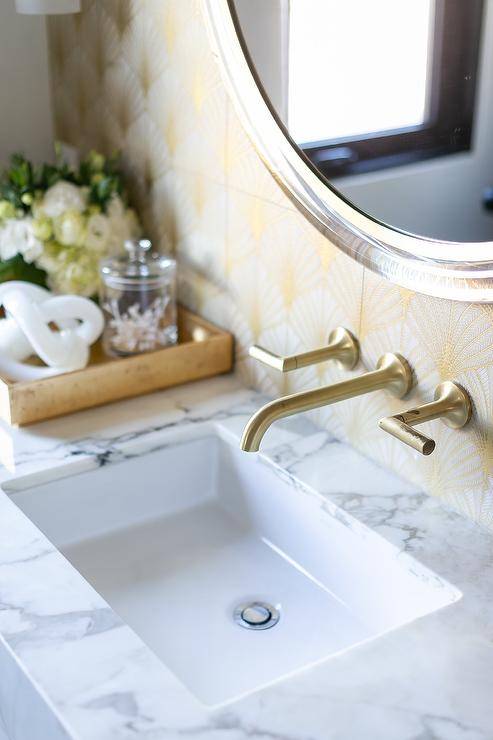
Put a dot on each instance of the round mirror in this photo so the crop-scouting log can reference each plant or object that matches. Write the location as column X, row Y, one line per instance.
column 377, row 118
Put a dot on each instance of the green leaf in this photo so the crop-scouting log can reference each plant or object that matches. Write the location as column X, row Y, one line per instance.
column 17, row 269
column 22, row 178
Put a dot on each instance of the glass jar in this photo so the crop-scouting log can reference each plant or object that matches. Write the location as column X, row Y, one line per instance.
column 138, row 298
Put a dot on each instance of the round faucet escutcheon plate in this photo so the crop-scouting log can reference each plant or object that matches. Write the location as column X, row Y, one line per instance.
column 256, row 615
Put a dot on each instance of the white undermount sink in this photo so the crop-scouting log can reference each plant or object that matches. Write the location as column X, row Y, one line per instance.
column 178, row 539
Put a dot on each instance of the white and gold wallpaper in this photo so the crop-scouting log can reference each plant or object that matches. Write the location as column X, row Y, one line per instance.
column 138, row 76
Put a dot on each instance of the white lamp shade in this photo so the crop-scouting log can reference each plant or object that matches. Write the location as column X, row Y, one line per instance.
column 47, row 7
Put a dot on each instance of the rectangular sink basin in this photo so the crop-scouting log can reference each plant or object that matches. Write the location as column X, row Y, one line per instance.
column 196, row 543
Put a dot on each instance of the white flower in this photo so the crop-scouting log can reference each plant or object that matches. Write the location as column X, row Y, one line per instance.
column 8, row 242
column 73, row 271
column 64, row 196
column 123, row 222
column 47, row 262
column 69, row 228
column 17, row 237
column 115, row 209
column 98, row 232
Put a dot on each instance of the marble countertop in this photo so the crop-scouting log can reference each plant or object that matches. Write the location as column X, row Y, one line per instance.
column 70, row 668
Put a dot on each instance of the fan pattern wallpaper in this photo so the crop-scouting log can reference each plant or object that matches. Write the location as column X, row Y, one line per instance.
column 139, row 76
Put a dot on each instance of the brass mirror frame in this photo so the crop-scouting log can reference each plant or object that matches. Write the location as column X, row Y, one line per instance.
column 420, row 264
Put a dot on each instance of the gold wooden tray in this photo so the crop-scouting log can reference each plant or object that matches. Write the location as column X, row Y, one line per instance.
column 203, row 350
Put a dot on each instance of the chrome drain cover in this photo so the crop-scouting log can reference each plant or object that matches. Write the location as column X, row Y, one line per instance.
column 256, row 615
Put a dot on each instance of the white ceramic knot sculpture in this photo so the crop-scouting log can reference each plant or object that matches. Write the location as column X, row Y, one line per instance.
column 26, row 331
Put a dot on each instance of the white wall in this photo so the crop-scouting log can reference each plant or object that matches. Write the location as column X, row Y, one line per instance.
column 264, row 24
column 25, row 105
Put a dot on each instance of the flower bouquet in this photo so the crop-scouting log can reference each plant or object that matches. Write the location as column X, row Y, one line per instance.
column 57, row 222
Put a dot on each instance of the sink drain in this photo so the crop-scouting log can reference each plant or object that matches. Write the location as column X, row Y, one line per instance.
column 256, row 615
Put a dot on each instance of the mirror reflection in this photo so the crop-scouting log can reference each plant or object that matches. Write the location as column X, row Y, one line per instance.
column 391, row 100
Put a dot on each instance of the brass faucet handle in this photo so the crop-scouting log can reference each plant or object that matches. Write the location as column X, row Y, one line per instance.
column 402, row 430
column 451, row 404
column 342, row 346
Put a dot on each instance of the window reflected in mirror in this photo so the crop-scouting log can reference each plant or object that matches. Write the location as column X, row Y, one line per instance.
column 390, row 92
column 391, row 100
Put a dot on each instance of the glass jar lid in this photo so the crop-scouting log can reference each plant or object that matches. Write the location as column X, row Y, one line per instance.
column 138, row 267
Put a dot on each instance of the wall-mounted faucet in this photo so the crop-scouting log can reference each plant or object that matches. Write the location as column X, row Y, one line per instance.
column 452, row 404
column 342, row 346
column 392, row 373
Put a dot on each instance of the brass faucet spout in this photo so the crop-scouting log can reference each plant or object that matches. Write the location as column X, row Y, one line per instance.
column 392, row 373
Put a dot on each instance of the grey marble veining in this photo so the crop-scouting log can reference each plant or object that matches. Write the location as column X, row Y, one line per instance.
column 68, row 660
